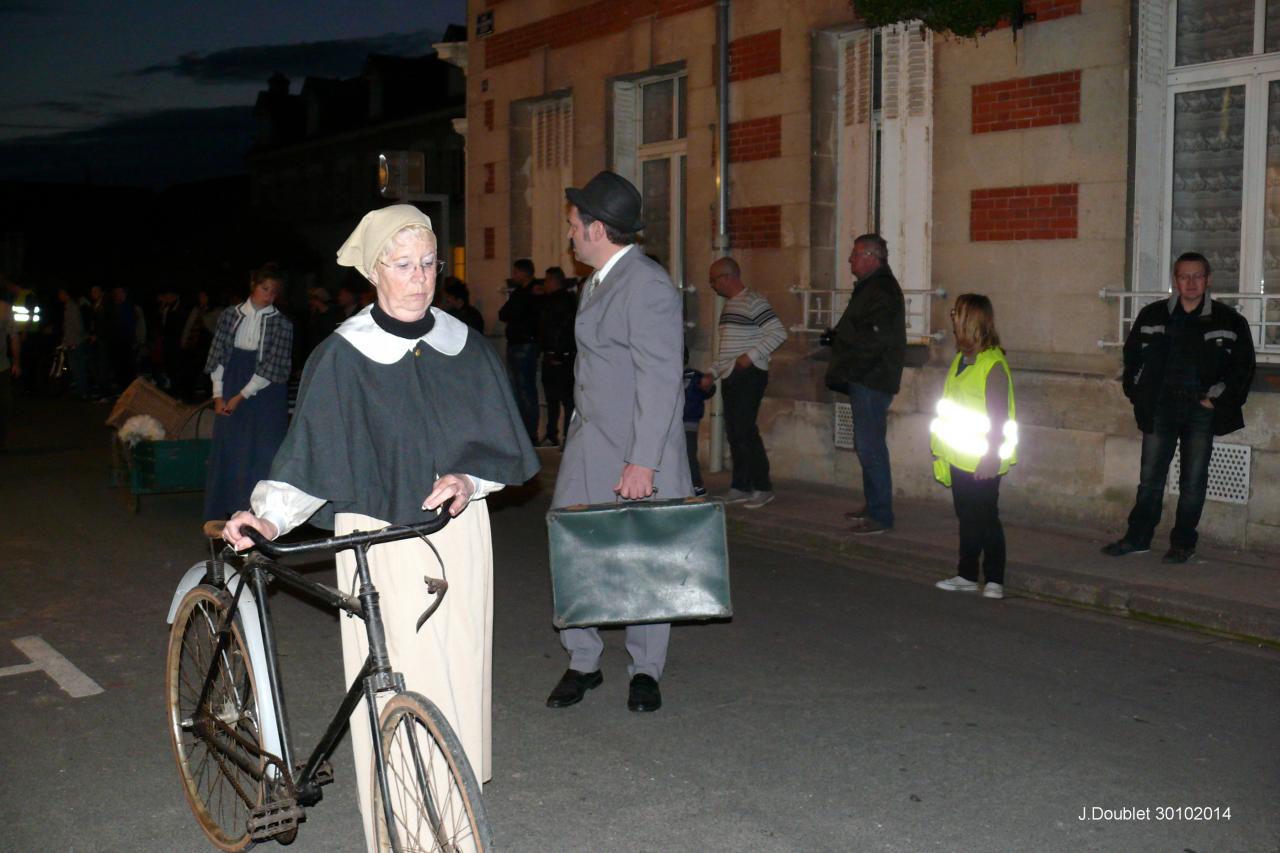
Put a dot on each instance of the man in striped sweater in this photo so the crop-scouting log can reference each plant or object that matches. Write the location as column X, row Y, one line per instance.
column 749, row 333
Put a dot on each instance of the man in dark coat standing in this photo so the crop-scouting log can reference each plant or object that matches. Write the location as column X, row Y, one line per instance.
column 868, row 347
column 627, row 435
column 557, row 311
column 1188, row 364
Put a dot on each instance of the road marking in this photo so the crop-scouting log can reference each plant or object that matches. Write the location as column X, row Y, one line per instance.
column 44, row 657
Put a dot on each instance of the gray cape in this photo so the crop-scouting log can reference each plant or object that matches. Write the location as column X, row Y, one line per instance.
column 372, row 438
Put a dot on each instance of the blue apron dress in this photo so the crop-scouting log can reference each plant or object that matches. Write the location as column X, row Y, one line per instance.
column 244, row 442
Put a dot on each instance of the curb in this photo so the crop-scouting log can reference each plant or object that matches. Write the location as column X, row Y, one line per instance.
column 904, row 559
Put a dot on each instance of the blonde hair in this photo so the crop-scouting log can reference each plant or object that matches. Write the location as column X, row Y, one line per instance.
column 975, row 322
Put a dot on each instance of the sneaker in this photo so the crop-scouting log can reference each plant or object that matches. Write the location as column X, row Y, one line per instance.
column 736, row 496
column 758, row 499
column 1177, row 555
column 698, row 491
column 992, row 590
column 867, row 527
column 1121, row 547
column 958, row 584
column 855, row 514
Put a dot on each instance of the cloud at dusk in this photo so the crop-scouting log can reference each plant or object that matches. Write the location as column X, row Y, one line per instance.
column 332, row 58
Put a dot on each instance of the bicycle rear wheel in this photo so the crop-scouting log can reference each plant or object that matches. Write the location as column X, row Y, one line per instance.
column 435, row 798
column 221, row 792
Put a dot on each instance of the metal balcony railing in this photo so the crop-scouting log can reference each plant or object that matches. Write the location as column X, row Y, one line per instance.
column 1262, row 310
column 822, row 310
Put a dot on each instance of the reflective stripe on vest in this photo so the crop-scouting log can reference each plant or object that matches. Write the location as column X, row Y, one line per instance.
column 958, row 435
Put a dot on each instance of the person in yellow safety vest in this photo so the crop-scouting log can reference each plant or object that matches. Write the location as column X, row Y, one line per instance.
column 974, row 440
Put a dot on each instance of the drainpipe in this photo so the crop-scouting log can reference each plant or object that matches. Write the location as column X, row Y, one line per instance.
column 722, row 212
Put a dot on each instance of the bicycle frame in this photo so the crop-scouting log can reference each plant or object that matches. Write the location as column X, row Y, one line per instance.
column 376, row 675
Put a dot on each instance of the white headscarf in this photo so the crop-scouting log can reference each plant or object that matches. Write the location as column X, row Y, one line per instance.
column 364, row 247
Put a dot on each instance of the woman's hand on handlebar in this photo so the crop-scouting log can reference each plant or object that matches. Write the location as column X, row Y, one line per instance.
column 453, row 490
column 235, row 535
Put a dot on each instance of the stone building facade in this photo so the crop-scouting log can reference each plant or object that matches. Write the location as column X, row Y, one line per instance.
column 1056, row 168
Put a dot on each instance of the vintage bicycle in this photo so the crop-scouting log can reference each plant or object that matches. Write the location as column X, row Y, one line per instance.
column 229, row 728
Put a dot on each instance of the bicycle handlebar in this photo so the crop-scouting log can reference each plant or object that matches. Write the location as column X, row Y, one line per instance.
column 333, row 544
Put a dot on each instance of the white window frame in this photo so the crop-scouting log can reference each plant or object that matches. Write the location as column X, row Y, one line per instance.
column 1159, row 81
column 675, row 149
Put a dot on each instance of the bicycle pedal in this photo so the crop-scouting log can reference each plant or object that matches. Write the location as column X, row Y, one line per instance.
column 323, row 775
column 274, row 818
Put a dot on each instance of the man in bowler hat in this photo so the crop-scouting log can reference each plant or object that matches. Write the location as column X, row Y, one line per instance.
column 627, row 436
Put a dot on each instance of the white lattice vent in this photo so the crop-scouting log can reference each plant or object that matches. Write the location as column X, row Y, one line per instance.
column 1228, row 473
column 842, row 425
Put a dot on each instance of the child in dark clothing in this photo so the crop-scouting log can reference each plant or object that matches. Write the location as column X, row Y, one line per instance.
column 695, row 398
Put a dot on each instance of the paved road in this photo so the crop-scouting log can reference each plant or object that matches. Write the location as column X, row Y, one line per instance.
column 840, row 710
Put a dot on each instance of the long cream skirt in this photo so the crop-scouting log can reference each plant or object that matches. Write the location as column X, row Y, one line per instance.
column 450, row 660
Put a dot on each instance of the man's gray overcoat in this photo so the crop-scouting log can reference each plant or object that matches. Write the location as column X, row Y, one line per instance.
column 628, row 386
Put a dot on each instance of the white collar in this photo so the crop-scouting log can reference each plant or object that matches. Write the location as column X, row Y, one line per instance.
column 446, row 337
column 608, row 265
column 248, row 309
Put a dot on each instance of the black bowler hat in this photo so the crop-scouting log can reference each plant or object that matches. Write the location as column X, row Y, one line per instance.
column 610, row 198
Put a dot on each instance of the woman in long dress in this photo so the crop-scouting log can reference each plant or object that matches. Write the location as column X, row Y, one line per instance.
column 402, row 410
column 248, row 366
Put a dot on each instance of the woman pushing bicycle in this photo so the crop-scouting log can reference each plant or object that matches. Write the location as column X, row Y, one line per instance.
column 404, row 410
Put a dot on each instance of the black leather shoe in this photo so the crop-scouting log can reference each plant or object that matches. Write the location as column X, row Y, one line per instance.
column 1121, row 547
column 644, row 694
column 573, row 685
column 1177, row 555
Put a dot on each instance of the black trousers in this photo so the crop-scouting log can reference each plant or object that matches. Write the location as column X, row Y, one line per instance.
column 557, row 387
column 981, row 533
column 742, row 392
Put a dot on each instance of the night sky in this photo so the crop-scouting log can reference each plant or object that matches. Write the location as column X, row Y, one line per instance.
column 151, row 93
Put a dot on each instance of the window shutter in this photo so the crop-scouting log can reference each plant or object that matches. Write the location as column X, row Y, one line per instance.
column 626, row 130
column 854, row 161
column 906, row 160
column 1149, row 156
column 552, row 171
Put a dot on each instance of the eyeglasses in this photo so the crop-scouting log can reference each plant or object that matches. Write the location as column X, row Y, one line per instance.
column 404, row 269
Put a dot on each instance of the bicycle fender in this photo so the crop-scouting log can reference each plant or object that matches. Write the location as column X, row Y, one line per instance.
column 251, row 630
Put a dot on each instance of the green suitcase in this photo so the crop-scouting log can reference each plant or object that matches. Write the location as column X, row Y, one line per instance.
column 639, row 561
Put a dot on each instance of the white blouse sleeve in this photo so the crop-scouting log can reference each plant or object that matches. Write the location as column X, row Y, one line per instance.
column 483, row 488
column 283, row 505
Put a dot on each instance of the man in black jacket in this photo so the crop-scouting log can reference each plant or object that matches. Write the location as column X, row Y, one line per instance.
column 520, row 313
column 558, row 310
column 868, row 347
column 1188, row 364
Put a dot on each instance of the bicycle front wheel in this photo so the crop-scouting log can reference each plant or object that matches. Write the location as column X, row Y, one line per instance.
column 434, row 795
column 213, row 765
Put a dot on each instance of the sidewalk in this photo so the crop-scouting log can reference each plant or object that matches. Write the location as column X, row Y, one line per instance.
column 1235, row 593
column 1219, row 591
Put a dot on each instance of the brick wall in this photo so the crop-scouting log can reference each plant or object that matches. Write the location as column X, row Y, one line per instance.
column 1043, row 212
column 1048, row 10
column 601, row 18
column 755, row 56
column 755, row 139
column 490, row 243
column 754, row 227
column 488, row 114
column 1025, row 102
column 489, row 180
